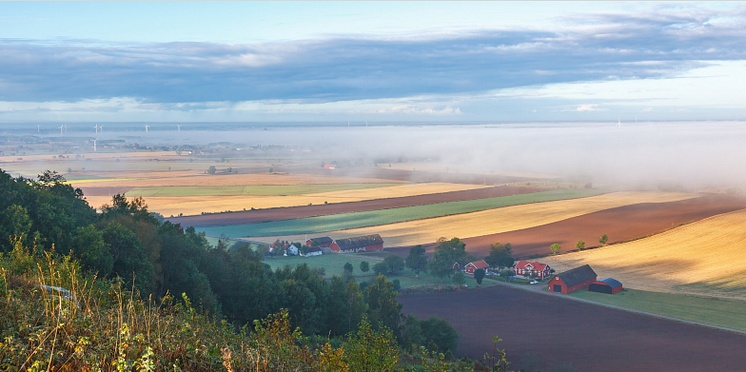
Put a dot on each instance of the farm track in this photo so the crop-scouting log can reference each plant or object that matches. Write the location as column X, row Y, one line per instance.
column 280, row 214
column 620, row 224
column 592, row 338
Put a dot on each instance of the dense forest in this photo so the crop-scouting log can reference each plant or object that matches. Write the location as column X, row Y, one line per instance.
column 125, row 251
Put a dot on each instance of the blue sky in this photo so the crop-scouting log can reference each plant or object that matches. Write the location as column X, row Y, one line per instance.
column 371, row 61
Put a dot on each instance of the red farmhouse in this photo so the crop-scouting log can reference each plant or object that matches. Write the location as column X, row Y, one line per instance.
column 366, row 243
column 323, row 242
column 538, row 269
column 608, row 285
column 473, row 266
column 572, row 280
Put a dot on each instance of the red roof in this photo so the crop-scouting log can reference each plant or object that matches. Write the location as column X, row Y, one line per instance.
column 479, row 264
column 538, row 266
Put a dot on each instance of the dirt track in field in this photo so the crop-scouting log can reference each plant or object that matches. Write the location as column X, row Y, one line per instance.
column 592, row 338
column 619, row 224
column 279, row 214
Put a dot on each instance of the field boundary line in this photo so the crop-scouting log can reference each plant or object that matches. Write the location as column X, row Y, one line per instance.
column 641, row 312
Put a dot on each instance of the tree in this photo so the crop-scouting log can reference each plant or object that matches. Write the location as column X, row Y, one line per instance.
column 211, row 170
column 479, row 275
column 500, row 256
column 603, row 239
column 380, row 268
column 394, row 262
column 555, row 248
column 371, row 350
column 459, row 278
column 416, row 260
column 440, row 332
column 89, row 247
column 447, row 252
column 364, row 266
column 348, row 268
column 580, row 245
column 383, row 309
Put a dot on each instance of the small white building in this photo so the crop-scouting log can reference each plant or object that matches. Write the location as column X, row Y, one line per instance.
column 292, row 250
column 314, row 251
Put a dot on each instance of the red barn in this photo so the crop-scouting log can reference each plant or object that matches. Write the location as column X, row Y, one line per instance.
column 473, row 266
column 322, row 242
column 366, row 243
column 572, row 280
column 537, row 269
column 608, row 285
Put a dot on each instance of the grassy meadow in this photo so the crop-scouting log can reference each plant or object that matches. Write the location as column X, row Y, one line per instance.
column 721, row 313
column 333, row 264
column 388, row 216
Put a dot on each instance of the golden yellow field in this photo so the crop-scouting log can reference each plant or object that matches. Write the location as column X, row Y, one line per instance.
column 194, row 178
column 702, row 258
column 191, row 205
column 496, row 220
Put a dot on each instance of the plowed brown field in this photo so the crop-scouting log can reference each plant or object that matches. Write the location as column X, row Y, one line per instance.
column 706, row 251
column 195, row 205
column 619, row 224
column 592, row 338
column 279, row 214
column 493, row 221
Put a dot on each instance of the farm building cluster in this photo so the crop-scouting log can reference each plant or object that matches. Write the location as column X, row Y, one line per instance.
column 583, row 277
column 322, row 245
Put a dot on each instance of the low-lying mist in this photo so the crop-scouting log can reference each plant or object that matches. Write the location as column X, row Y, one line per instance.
column 685, row 155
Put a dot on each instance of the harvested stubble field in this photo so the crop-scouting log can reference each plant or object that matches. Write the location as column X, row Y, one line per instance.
column 619, row 224
column 704, row 258
column 279, row 214
column 195, row 205
column 592, row 338
column 496, row 220
column 259, row 190
column 389, row 216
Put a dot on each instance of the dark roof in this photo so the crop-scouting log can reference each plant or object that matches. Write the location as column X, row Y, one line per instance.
column 360, row 241
column 314, row 249
column 613, row 283
column 322, row 240
column 577, row 275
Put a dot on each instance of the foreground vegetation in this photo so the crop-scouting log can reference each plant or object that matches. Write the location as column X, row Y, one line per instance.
column 389, row 216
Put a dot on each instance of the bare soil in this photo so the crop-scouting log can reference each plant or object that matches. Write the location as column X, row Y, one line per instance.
column 591, row 338
column 279, row 214
column 619, row 224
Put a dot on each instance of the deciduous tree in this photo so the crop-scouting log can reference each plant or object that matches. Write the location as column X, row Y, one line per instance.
column 416, row 260
column 580, row 245
column 394, row 262
column 500, row 256
column 479, row 275
column 603, row 239
column 555, row 248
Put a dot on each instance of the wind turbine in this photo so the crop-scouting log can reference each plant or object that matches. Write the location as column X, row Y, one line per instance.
column 94, row 144
column 179, row 126
column 96, row 128
column 146, row 128
column 101, row 128
column 619, row 124
column 65, row 127
column 61, row 127
column 38, row 128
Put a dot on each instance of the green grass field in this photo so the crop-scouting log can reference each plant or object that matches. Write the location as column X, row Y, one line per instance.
column 722, row 313
column 387, row 216
column 261, row 190
column 333, row 264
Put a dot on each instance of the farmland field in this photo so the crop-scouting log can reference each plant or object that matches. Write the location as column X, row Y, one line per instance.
column 721, row 313
column 619, row 224
column 497, row 220
column 389, row 216
column 592, row 338
column 279, row 214
column 703, row 258
column 262, row 190
column 195, row 205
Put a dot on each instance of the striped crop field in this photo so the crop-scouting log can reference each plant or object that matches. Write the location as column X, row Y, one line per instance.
column 390, row 216
column 193, row 205
column 494, row 221
column 259, row 190
column 704, row 258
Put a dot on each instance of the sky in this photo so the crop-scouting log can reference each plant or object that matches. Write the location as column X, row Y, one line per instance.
column 375, row 62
